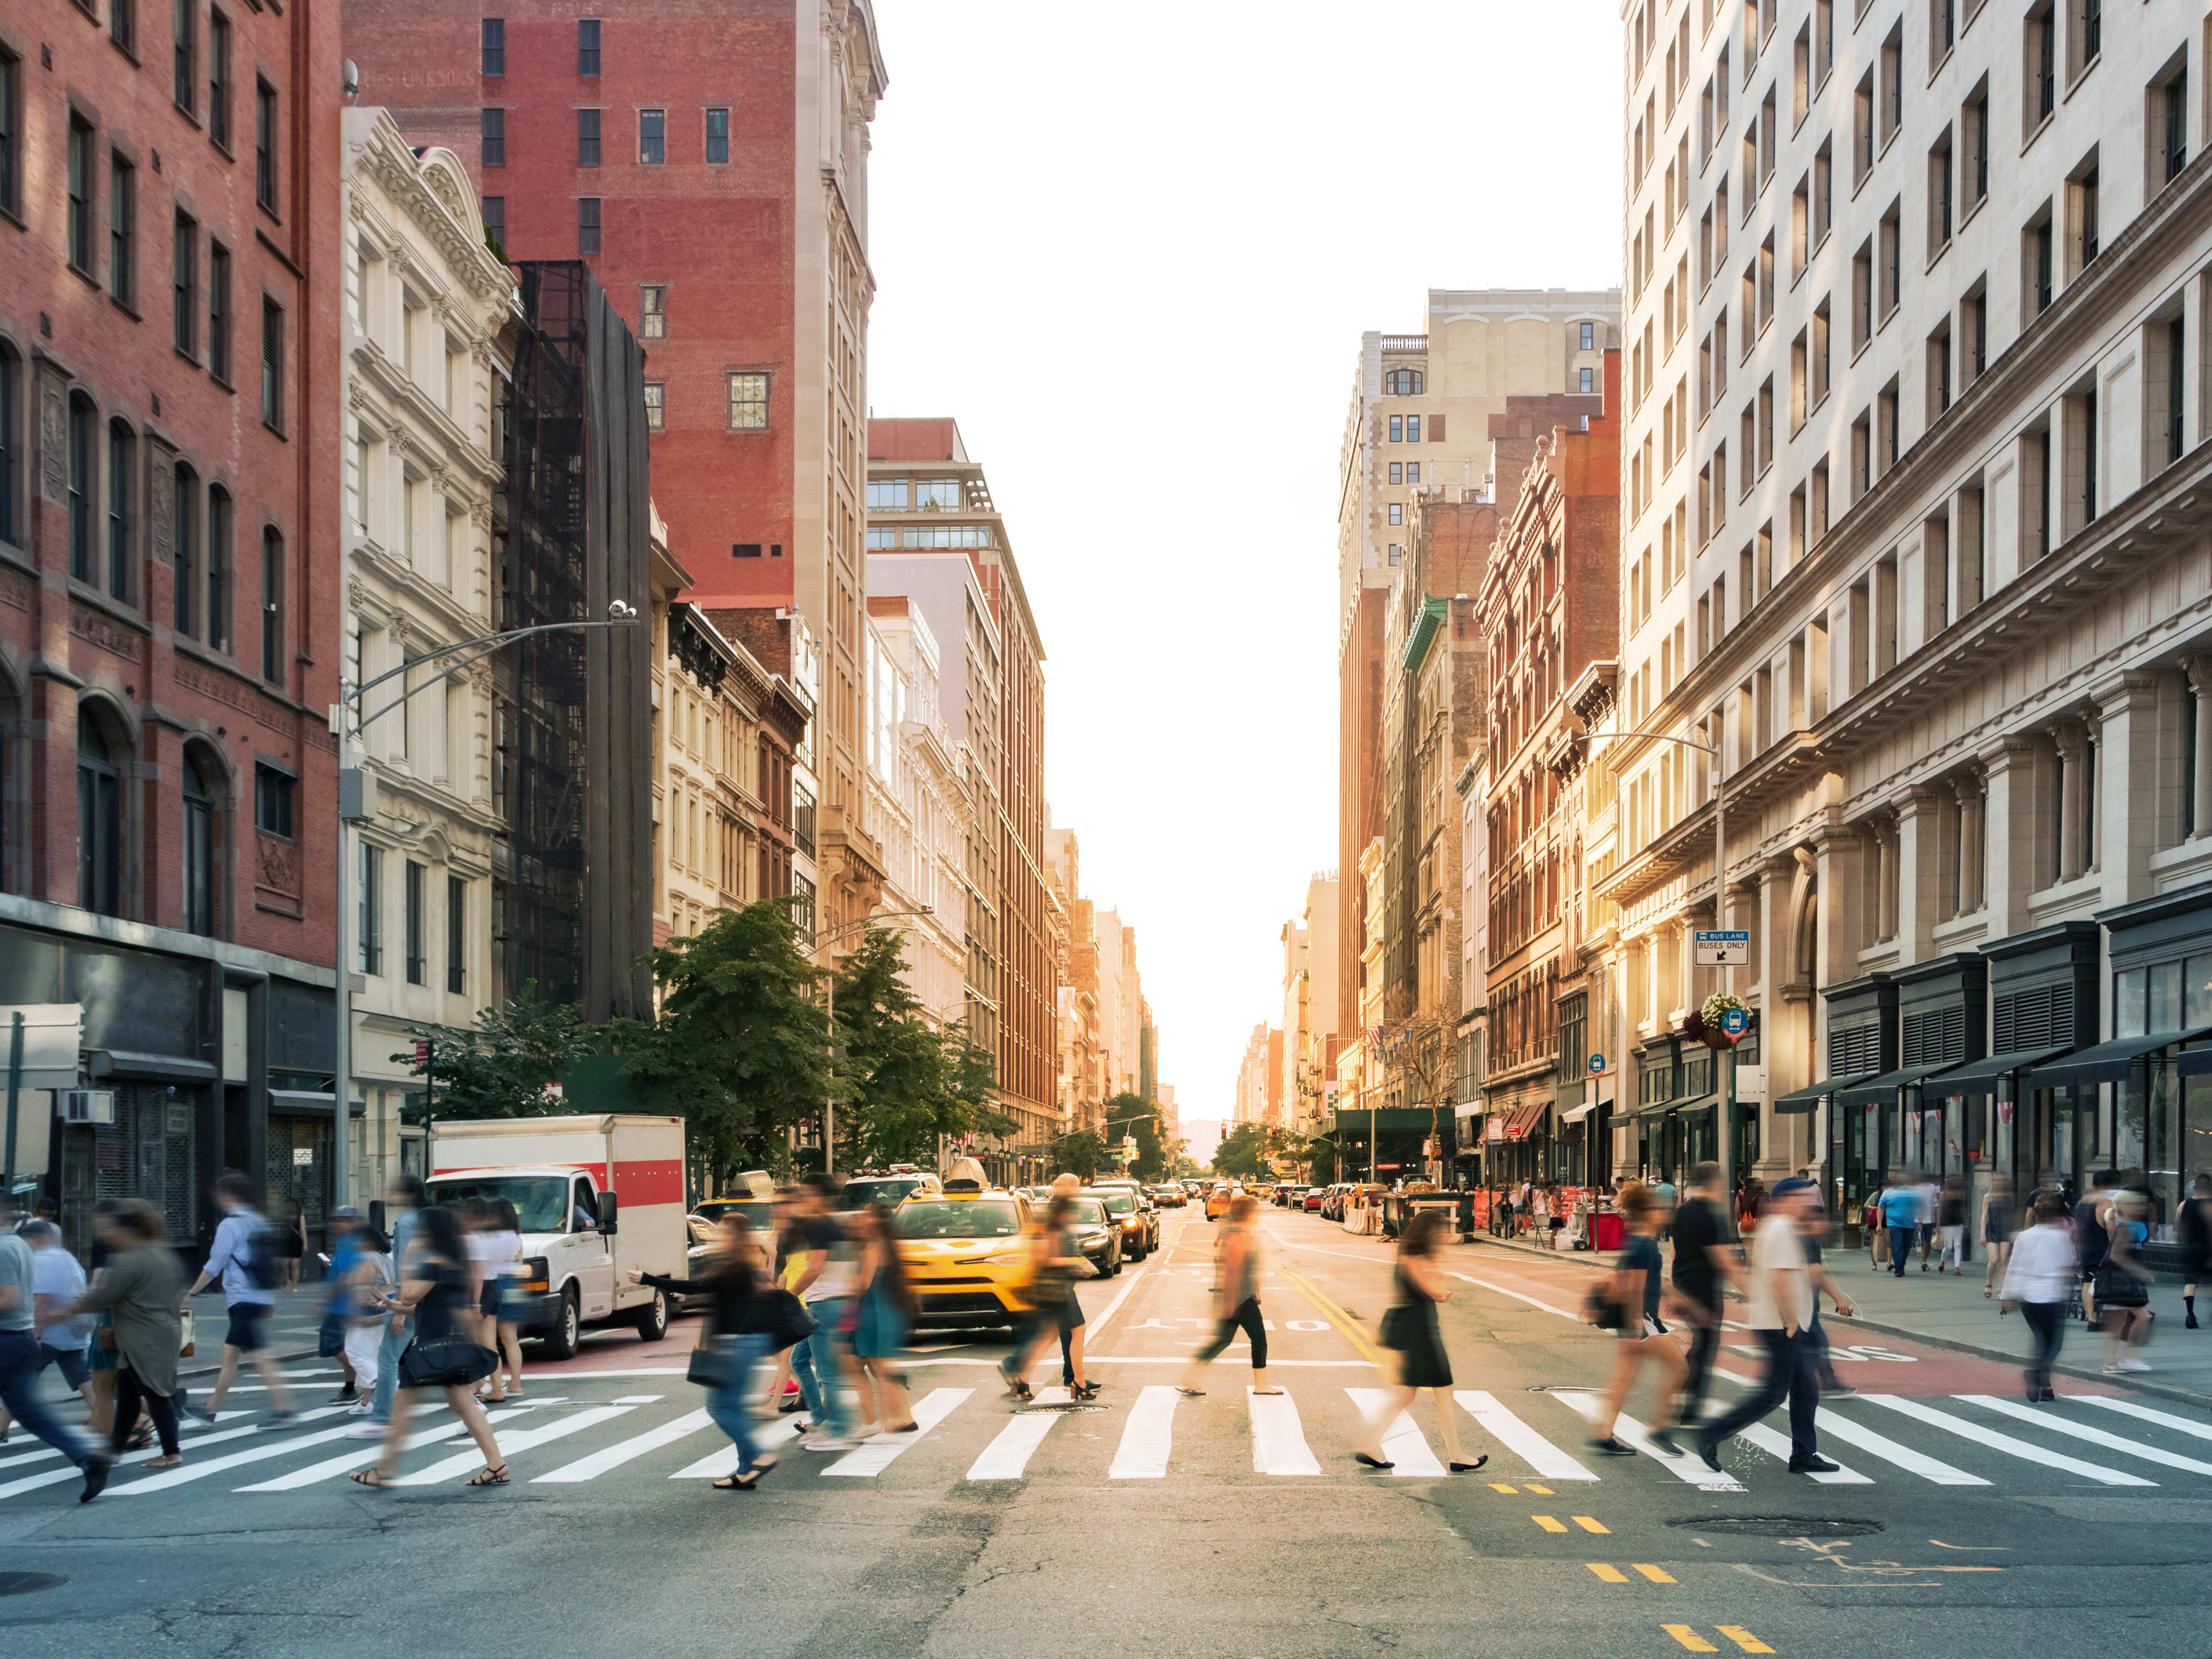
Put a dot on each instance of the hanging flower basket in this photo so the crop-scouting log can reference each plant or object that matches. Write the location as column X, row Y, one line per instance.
column 1704, row 1025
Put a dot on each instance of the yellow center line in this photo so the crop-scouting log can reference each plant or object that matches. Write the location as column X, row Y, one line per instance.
column 1743, row 1638
column 1611, row 1575
column 1590, row 1524
column 1499, row 1485
column 1653, row 1573
column 1549, row 1523
column 1689, row 1638
column 1336, row 1316
column 1546, row 1490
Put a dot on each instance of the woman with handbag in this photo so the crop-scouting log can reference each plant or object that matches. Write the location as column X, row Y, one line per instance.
column 1629, row 1306
column 1053, row 1264
column 1409, row 1332
column 886, row 1321
column 435, row 1286
column 735, row 1335
column 141, row 1286
column 2123, row 1284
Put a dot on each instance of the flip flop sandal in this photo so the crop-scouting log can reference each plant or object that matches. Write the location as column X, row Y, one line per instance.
column 488, row 1477
column 738, row 1482
column 368, row 1478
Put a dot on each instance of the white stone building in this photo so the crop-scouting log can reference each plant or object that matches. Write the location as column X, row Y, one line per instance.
column 917, row 807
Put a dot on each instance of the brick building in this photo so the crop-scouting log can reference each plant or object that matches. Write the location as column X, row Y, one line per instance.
column 710, row 163
column 168, row 558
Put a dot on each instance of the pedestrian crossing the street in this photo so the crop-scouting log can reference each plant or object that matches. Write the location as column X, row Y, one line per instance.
column 1305, row 1434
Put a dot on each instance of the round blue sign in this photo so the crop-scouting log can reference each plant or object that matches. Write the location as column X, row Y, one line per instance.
column 1736, row 1021
column 1596, row 1063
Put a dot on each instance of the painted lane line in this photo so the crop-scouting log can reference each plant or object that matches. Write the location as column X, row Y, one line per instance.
column 1683, row 1466
column 368, row 1452
column 1008, row 1455
column 1610, row 1575
column 1148, row 1437
column 70, row 1471
column 1404, row 1445
column 2003, row 1443
column 1832, row 1423
column 635, row 1400
column 1743, row 1638
column 1501, row 1290
column 1119, row 1296
column 1517, row 1437
column 724, row 1461
column 1549, row 1522
column 461, row 1463
column 259, row 1454
column 1278, row 1440
column 1656, row 1575
column 1589, row 1523
column 878, row 1455
column 1184, row 1359
column 2095, row 1437
column 2144, row 1413
column 1688, row 1636
column 624, row 1451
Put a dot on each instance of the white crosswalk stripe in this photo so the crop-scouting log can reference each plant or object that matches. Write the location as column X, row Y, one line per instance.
column 1682, row 1466
column 723, row 1460
column 368, row 1451
column 1778, row 1445
column 462, row 1463
column 2003, row 1443
column 259, row 1454
column 2128, row 1408
column 1834, row 1425
column 624, row 1451
column 1405, row 1448
column 876, row 1455
column 70, row 1471
column 1278, row 1439
column 1542, row 1456
column 2052, row 1423
column 1007, row 1456
column 1148, row 1436
column 185, row 1432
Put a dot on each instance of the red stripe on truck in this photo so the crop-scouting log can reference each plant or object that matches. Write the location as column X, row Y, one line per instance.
column 640, row 1181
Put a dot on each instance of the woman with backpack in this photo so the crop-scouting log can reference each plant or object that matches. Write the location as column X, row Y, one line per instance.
column 737, row 1336
column 435, row 1284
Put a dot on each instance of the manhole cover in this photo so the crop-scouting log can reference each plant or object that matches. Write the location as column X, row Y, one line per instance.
column 1054, row 1411
column 25, row 1583
column 1781, row 1525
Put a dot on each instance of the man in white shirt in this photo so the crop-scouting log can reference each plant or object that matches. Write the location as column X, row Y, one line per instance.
column 1780, row 1292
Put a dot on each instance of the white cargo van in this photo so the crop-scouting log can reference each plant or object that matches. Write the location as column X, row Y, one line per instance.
column 596, row 1196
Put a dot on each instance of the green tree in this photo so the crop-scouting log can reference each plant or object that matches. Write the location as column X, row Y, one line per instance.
column 1081, row 1153
column 738, row 1048
column 1243, row 1152
column 502, row 1067
column 905, row 1085
column 1129, row 1114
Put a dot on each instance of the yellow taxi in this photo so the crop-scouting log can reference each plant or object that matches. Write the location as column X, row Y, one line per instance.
column 965, row 1254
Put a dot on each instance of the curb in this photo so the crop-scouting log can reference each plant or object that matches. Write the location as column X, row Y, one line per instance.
column 2181, row 1396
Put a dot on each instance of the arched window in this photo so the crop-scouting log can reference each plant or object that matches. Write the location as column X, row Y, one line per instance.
column 12, row 527
column 1403, row 383
column 184, row 551
column 83, row 472
column 122, row 449
column 272, row 606
column 200, row 845
column 219, row 520
column 99, row 819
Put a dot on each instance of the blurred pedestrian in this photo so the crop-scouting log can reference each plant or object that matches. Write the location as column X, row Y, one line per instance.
column 826, row 1287
column 369, row 1277
column 1780, row 1311
column 1054, row 1309
column 141, row 1288
column 1706, row 1258
column 57, row 1282
column 243, row 1259
column 2192, row 1231
column 1748, row 1198
column 292, row 1243
column 2041, row 1273
column 885, row 1319
column 2091, row 1213
column 21, row 1361
column 404, row 1199
column 1411, row 1337
column 1814, row 1230
column 345, row 1231
column 495, row 1254
column 1951, row 1223
column 1235, row 1300
column 1900, row 1215
column 736, row 1335
column 434, row 1288
column 1637, row 1288
column 1998, row 1228
column 2123, row 1284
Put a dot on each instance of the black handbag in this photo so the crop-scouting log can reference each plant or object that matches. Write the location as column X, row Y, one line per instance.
column 789, row 1323
column 446, row 1362
column 711, row 1366
column 1602, row 1309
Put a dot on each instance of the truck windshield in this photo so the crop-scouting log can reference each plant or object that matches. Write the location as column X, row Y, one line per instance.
column 539, row 1200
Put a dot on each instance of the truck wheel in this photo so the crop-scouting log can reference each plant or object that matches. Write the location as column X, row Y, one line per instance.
column 567, row 1335
column 653, row 1319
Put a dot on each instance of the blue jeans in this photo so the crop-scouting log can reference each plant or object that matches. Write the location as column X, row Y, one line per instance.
column 387, row 1368
column 20, row 1362
column 727, row 1405
column 1900, row 1247
column 814, row 1362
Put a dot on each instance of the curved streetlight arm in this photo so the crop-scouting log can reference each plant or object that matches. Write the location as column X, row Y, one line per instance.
column 490, row 643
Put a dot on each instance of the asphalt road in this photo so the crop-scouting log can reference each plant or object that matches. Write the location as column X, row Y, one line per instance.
column 1154, row 1524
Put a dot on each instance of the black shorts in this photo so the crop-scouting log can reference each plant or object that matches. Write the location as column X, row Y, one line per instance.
column 73, row 1363
column 246, row 1319
column 488, row 1298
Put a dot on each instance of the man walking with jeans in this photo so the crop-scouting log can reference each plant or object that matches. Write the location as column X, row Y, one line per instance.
column 1900, row 1213
column 249, row 1301
column 21, row 1361
column 826, row 1288
column 403, row 1200
column 1780, row 1310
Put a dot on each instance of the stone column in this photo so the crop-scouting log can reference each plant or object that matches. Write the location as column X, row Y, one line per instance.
column 2199, row 671
column 2008, row 832
column 1971, row 853
column 1918, row 865
column 1781, row 1045
column 2126, row 794
column 2067, row 736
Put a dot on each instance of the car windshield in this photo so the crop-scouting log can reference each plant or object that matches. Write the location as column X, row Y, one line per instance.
column 938, row 1218
column 755, row 1210
column 539, row 1200
column 1084, row 1212
column 1120, row 1203
column 879, row 1189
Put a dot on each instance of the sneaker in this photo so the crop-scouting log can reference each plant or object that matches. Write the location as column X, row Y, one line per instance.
column 345, row 1397
column 95, row 1478
column 2133, row 1365
column 361, row 1407
column 196, row 1413
column 1708, row 1451
column 1664, row 1439
column 1840, row 1388
column 283, row 1419
column 2111, row 1370
column 366, row 1431
column 1815, row 1464
column 2187, row 1324
column 829, row 1443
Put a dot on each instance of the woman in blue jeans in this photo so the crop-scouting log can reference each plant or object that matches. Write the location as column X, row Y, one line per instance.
column 732, row 1284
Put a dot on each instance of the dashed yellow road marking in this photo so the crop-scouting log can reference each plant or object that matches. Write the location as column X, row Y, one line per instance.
column 1653, row 1573
column 1743, row 1638
column 1589, row 1523
column 1611, row 1575
column 1546, row 1490
column 1549, row 1523
column 1499, row 1485
column 1689, row 1638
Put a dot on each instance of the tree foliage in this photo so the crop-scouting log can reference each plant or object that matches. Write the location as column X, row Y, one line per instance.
column 501, row 1067
column 1081, row 1153
column 905, row 1085
column 1242, row 1153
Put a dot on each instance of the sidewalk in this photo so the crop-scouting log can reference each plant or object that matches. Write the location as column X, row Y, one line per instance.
column 1949, row 1312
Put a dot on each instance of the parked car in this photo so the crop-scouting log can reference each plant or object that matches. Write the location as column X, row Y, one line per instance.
column 1311, row 1200
column 890, row 1188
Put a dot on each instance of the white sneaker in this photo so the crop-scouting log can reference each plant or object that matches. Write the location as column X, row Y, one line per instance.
column 361, row 1408
column 2133, row 1365
column 867, row 1431
column 366, row 1431
column 828, row 1444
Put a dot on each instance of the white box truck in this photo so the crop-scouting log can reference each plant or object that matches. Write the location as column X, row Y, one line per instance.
column 596, row 1195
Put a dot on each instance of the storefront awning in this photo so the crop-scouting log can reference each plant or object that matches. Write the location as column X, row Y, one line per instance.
column 2108, row 1062
column 1804, row 1100
column 1980, row 1077
column 1664, row 1108
column 1579, row 1112
column 1883, row 1087
column 2193, row 1062
column 1526, row 1118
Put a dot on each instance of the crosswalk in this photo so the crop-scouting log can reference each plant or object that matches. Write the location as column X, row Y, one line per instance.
column 1304, row 1434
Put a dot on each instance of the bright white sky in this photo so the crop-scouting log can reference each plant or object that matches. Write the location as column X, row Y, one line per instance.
column 1131, row 251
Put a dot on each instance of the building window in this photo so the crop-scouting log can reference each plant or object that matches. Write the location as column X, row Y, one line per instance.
column 1413, row 428
column 494, row 223
column 198, row 849
column 81, row 166
column 1403, row 383
column 587, row 137
column 272, row 365
column 588, row 224
column 1413, row 473
column 218, row 76
column 656, row 405
column 11, row 133
column 184, row 280
column 219, row 312
column 417, row 963
column 11, row 447
column 1397, row 429
column 83, row 465
column 265, row 146
column 495, row 46
column 653, row 313
column 1397, row 512
column 183, row 551
column 99, row 820
column 652, row 137
column 122, row 495
column 1588, row 379
column 587, row 46
column 122, row 231
column 219, row 522
column 123, row 27
column 748, row 403
column 370, row 958
column 457, row 935
column 1589, row 336
column 493, row 131
column 717, row 135
column 272, row 607
column 187, row 85
column 1397, row 473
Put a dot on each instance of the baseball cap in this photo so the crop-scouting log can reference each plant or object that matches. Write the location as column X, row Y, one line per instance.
column 1791, row 1186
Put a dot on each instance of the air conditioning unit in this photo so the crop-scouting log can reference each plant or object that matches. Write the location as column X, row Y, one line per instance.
column 88, row 1105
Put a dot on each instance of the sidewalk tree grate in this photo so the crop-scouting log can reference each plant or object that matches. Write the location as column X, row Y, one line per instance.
column 1782, row 1525
column 27, row 1583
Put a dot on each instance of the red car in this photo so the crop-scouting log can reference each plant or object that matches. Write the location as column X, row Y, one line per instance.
column 1314, row 1196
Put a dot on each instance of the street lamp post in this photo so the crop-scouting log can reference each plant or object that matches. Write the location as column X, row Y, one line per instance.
column 829, row 1021
column 355, row 806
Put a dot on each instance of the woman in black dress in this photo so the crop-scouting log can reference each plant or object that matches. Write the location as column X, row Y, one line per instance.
column 1410, row 1336
column 436, row 1285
